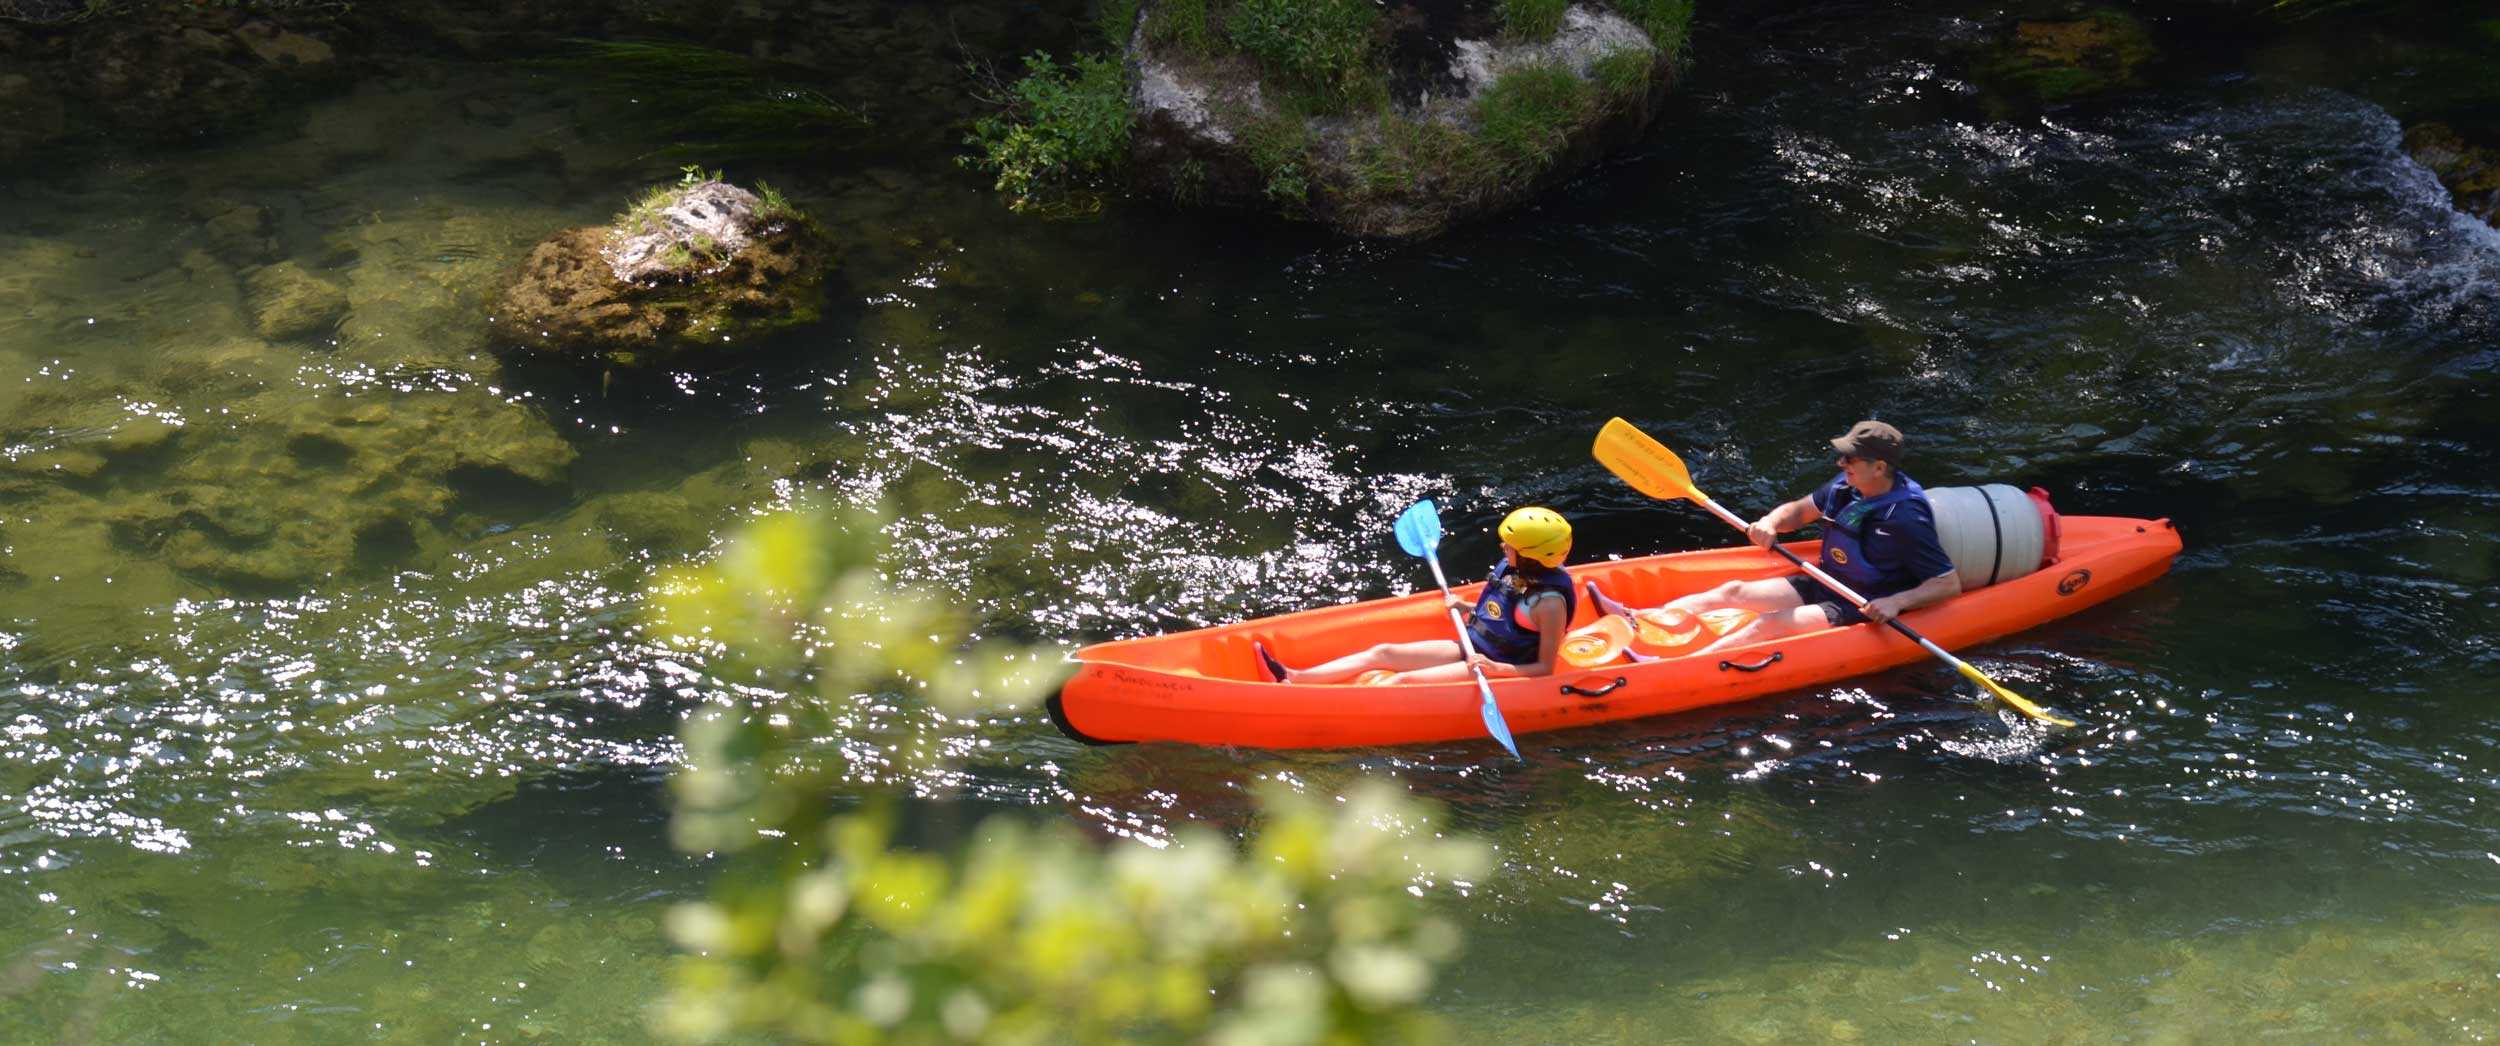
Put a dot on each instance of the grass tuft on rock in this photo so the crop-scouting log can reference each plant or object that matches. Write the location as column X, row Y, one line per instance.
column 1525, row 116
column 1187, row 25
column 1623, row 75
column 1116, row 20
column 1533, row 19
column 1669, row 23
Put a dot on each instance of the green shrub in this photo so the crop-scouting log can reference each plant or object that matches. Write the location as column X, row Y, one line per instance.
column 1322, row 44
column 1524, row 117
column 1533, row 19
column 824, row 929
column 1063, row 131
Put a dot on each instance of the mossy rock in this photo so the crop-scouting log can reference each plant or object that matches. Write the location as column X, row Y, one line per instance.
column 1457, row 118
column 2470, row 171
column 2060, row 60
column 687, row 273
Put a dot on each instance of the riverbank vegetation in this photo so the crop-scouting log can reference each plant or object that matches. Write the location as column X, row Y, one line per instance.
column 1060, row 137
column 833, row 929
column 1321, row 128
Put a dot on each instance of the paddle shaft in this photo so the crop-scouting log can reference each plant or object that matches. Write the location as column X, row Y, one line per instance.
column 1654, row 470
column 1829, row 582
column 1465, row 645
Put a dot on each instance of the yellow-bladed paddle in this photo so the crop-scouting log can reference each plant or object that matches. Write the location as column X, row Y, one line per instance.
column 1654, row 470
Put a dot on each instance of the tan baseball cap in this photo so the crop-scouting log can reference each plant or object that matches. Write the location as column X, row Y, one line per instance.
column 1871, row 439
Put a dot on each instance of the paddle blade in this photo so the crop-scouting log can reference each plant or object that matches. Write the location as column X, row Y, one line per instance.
column 1419, row 528
column 1493, row 723
column 2020, row 703
column 1643, row 462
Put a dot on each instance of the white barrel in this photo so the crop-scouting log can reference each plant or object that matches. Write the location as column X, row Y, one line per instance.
column 1992, row 532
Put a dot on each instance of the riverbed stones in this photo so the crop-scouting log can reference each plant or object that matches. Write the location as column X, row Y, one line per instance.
column 281, row 47
column 318, row 486
column 239, row 233
column 35, row 116
column 654, row 522
column 684, row 275
column 290, row 303
column 155, row 70
column 1453, row 140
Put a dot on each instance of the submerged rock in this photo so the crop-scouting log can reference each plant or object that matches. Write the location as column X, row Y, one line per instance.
column 2471, row 172
column 160, row 70
column 1473, row 119
column 701, row 266
column 2058, row 60
column 315, row 487
column 654, row 522
column 290, row 303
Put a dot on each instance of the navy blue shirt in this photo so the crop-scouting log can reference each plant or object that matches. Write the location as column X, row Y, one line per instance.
column 1896, row 547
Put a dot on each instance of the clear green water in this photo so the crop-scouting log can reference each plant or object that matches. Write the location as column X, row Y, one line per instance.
column 325, row 718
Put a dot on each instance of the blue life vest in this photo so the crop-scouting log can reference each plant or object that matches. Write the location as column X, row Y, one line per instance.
column 1880, row 545
column 1496, row 630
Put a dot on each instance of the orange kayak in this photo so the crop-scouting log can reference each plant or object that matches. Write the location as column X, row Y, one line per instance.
column 1204, row 686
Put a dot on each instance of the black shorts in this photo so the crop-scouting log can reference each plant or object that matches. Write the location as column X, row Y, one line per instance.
column 1835, row 609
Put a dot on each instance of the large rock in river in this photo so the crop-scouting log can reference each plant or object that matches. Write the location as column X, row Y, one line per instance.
column 691, row 270
column 2470, row 172
column 2059, row 60
column 1466, row 117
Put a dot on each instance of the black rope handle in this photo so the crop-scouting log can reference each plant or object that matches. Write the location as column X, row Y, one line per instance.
column 1755, row 667
column 1599, row 692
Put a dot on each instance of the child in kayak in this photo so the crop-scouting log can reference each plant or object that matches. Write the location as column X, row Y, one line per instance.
column 1517, row 624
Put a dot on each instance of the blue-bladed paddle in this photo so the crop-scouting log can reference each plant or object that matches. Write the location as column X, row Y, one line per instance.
column 1419, row 533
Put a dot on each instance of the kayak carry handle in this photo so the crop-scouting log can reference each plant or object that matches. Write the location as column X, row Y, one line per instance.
column 1599, row 692
column 1756, row 666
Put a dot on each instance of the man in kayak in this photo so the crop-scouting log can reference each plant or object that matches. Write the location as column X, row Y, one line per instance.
column 1879, row 538
column 1517, row 624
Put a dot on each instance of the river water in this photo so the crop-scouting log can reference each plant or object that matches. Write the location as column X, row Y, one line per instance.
column 326, row 716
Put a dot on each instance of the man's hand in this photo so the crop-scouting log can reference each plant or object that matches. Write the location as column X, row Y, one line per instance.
column 1934, row 590
column 1761, row 532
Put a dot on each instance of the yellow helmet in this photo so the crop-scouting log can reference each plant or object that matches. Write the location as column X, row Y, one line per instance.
column 1538, row 533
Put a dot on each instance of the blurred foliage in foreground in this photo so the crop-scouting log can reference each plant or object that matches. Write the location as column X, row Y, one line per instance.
column 826, row 930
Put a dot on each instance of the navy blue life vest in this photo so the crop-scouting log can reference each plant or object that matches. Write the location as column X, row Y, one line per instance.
column 1845, row 534
column 1496, row 630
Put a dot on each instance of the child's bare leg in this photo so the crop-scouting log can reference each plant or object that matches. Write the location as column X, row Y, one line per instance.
column 1396, row 657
